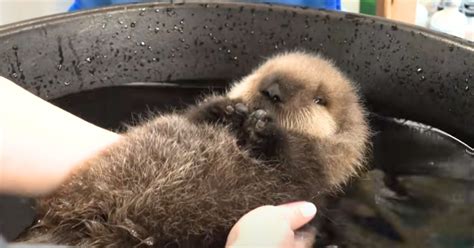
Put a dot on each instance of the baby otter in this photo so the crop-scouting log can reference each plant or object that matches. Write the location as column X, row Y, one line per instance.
column 293, row 129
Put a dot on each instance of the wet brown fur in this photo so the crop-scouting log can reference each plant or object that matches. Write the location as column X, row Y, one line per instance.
column 180, row 180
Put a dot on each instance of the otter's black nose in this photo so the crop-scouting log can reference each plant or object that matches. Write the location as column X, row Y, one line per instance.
column 272, row 92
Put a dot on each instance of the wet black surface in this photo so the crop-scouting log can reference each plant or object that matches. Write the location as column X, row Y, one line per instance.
column 404, row 71
column 16, row 214
column 419, row 191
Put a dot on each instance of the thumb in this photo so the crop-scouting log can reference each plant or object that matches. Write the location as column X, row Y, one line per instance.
column 299, row 213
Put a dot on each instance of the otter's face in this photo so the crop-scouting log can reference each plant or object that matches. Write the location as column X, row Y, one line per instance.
column 306, row 93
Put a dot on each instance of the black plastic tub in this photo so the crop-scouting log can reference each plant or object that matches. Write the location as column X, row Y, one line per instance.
column 108, row 64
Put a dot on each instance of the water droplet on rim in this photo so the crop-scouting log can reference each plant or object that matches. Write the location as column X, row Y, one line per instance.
column 419, row 70
column 142, row 43
column 88, row 60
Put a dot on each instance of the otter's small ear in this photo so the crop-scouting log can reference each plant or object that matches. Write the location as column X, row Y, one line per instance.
column 320, row 100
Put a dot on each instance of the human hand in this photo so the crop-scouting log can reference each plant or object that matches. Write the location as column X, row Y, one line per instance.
column 273, row 227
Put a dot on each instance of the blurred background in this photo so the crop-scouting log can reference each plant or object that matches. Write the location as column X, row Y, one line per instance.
column 455, row 17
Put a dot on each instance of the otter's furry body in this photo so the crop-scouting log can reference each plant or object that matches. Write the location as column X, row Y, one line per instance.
column 185, row 179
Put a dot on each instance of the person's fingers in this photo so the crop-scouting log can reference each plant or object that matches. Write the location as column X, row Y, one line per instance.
column 303, row 243
column 305, row 237
column 299, row 213
column 271, row 226
column 265, row 226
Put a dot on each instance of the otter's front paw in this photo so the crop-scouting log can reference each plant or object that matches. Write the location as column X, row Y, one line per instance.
column 221, row 110
column 259, row 124
column 262, row 136
column 229, row 112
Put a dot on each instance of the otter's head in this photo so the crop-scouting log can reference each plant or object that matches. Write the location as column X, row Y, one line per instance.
column 309, row 96
column 306, row 93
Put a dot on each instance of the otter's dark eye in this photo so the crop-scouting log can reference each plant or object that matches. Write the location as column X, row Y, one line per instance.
column 320, row 101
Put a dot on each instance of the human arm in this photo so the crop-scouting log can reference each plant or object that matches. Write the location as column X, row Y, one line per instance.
column 41, row 144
